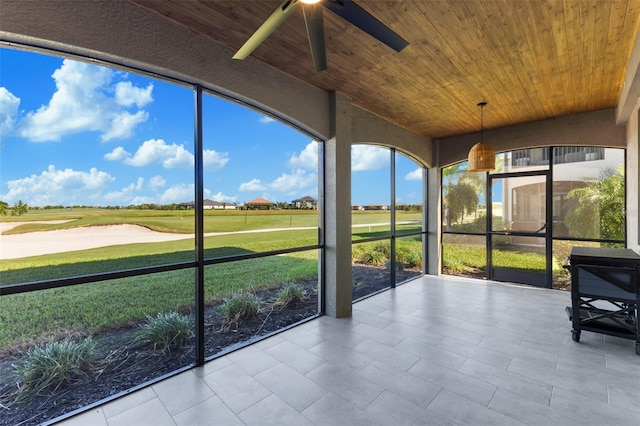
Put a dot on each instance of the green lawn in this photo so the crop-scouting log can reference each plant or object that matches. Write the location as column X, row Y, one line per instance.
column 117, row 303
column 468, row 259
column 182, row 221
column 173, row 221
column 30, row 317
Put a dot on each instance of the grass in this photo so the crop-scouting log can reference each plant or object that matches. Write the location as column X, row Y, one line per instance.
column 50, row 366
column 124, row 302
column 290, row 293
column 464, row 259
column 182, row 221
column 408, row 253
column 172, row 221
column 240, row 306
column 167, row 330
column 28, row 318
column 131, row 256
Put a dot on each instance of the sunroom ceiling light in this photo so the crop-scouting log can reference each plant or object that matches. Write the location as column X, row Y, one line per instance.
column 482, row 157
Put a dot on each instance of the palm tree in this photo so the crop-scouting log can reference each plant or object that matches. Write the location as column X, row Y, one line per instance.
column 597, row 210
column 462, row 189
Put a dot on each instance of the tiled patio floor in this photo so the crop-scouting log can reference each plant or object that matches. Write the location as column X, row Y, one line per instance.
column 437, row 350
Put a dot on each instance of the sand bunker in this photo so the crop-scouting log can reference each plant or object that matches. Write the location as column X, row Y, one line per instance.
column 59, row 241
column 88, row 237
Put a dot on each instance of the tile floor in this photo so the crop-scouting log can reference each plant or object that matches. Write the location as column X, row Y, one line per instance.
column 437, row 350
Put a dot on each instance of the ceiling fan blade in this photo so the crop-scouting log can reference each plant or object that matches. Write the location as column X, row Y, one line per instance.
column 362, row 19
column 314, row 20
column 268, row 26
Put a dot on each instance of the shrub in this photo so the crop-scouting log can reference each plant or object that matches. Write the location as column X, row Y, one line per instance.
column 167, row 330
column 372, row 254
column 290, row 293
column 408, row 255
column 239, row 307
column 50, row 366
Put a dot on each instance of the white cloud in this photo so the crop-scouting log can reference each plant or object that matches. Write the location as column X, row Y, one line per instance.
column 157, row 151
column 85, row 100
column 117, row 154
column 127, row 94
column 157, row 182
column 414, row 175
column 122, row 125
column 126, row 195
column 266, row 119
column 213, row 160
column 177, row 194
column 295, row 183
column 222, row 198
column 138, row 200
column 9, row 104
column 307, row 159
column 368, row 157
column 59, row 187
column 253, row 185
column 139, row 184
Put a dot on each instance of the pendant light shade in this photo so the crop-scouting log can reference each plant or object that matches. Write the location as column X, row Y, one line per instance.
column 482, row 157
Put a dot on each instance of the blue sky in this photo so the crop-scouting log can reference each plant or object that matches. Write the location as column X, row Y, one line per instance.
column 75, row 133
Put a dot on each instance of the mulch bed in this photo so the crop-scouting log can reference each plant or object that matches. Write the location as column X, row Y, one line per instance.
column 131, row 363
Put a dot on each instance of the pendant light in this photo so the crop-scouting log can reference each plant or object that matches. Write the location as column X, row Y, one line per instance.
column 482, row 157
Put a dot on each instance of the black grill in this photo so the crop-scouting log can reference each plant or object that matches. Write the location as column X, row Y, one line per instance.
column 604, row 292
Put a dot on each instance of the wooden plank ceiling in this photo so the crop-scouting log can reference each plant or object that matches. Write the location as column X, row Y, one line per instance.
column 530, row 60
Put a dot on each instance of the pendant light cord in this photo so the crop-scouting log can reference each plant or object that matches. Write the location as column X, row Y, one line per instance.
column 482, row 105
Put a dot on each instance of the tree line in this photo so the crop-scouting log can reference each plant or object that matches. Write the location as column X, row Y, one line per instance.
column 18, row 209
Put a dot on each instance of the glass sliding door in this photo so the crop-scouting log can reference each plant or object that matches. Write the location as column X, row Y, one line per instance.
column 519, row 234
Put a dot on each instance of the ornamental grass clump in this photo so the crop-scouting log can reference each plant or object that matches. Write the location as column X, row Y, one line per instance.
column 408, row 255
column 167, row 330
column 290, row 293
column 240, row 306
column 48, row 367
column 376, row 255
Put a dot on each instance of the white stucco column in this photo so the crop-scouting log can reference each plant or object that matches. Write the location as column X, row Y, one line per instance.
column 633, row 181
column 337, row 199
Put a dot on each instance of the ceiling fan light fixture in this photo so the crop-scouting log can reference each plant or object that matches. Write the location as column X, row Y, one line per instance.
column 482, row 157
column 313, row 9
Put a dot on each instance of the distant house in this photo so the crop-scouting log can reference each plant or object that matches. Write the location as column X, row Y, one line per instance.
column 357, row 207
column 376, row 207
column 214, row 205
column 260, row 204
column 305, row 203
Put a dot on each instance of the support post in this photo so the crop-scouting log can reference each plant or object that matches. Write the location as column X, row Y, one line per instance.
column 337, row 198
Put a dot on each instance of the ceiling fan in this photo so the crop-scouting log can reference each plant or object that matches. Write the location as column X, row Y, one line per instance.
column 313, row 17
